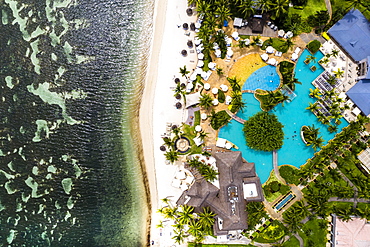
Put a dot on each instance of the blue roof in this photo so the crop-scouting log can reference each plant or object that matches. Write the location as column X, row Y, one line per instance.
column 360, row 95
column 352, row 32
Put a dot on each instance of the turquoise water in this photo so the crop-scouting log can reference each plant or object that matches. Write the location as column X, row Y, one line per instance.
column 293, row 116
column 283, row 202
column 265, row 78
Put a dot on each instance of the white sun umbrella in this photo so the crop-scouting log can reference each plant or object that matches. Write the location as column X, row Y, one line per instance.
column 200, row 63
column 189, row 86
column 198, row 128
column 272, row 61
column 270, row 49
column 228, row 145
column 204, row 75
column 218, row 53
column 228, row 41
column 193, row 77
column 198, row 71
column 235, row 35
column 200, row 56
column 264, row 57
column 289, row 34
column 215, row 101
column 197, row 41
column 224, row 88
column 215, row 90
column 212, row 65
column 197, row 25
column 215, row 46
column 228, row 100
column 203, row 116
column 294, row 56
column 229, row 53
column 281, row 33
column 207, row 86
column 247, row 41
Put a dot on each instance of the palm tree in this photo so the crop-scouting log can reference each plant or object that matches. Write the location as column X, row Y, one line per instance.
column 179, row 236
column 223, row 12
column 317, row 143
column 278, row 8
column 290, row 82
column 168, row 142
column 172, row 156
column 264, row 5
column 289, row 43
column 186, row 214
column 205, row 101
column 339, row 73
column 313, row 107
column 203, row 7
column 209, row 174
column 247, row 8
column 195, row 229
column 206, row 218
column 315, row 93
column 202, row 135
column 334, row 53
column 234, row 83
column 170, row 213
column 309, row 59
column 219, row 71
column 332, row 80
column 160, row 225
column 332, row 128
column 184, row 72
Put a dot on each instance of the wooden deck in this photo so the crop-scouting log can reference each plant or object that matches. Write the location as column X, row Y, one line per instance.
column 236, row 118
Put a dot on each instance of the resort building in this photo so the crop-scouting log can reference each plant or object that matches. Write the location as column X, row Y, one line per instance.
column 351, row 35
column 364, row 157
column 354, row 233
column 238, row 185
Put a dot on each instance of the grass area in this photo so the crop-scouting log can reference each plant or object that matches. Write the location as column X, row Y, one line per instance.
column 314, row 233
column 290, row 174
column 343, row 4
column 277, row 43
column 292, row 242
column 245, row 66
column 310, row 9
column 196, row 118
column 270, row 197
column 190, row 133
column 275, row 231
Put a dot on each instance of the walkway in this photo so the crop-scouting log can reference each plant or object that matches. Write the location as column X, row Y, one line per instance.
column 328, row 7
column 235, row 117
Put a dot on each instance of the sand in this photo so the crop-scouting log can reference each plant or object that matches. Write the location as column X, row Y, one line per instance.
column 157, row 106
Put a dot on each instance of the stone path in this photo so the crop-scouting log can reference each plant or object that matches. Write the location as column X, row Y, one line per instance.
column 330, row 11
column 307, row 37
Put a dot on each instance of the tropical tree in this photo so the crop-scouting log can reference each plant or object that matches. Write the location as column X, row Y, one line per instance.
column 223, row 12
column 332, row 128
column 332, row 80
column 309, row 59
column 172, row 156
column 247, row 8
column 160, row 224
column 195, row 229
column 339, row 73
column 203, row 7
column 170, row 213
column 219, row 71
column 168, row 142
column 206, row 218
column 209, row 173
column 289, row 43
column 263, row 5
column 278, row 8
column 185, row 215
column 291, row 82
column 205, row 101
column 184, row 72
column 179, row 236
column 334, row 53
column 315, row 93
column 234, row 83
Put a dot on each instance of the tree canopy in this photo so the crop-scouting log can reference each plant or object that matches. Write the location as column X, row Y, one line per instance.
column 264, row 132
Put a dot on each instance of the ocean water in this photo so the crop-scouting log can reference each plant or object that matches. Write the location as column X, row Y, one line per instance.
column 71, row 77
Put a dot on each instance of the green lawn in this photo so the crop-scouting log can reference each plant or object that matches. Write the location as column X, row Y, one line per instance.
column 270, row 197
column 344, row 4
column 310, row 9
column 292, row 242
column 314, row 233
column 274, row 232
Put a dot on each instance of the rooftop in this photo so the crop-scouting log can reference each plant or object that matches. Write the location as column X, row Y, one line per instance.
column 352, row 33
column 354, row 233
column 359, row 94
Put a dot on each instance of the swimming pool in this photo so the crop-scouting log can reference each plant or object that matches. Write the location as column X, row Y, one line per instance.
column 283, row 202
column 265, row 78
column 293, row 116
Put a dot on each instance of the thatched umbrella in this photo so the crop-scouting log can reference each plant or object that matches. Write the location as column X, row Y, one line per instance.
column 177, row 80
column 192, row 26
column 189, row 11
column 182, row 85
column 184, row 53
column 178, row 96
column 174, row 126
column 162, row 148
column 185, row 26
column 178, row 105
column 190, row 44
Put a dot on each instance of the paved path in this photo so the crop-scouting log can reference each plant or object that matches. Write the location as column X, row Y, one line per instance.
column 352, row 185
column 307, row 37
column 330, row 11
column 235, row 117
column 301, row 244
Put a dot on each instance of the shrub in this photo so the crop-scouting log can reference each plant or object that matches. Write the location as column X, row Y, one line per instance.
column 219, row 119
column 290, row 174
column 221, row 96
column 264, row 132
column 275, row 186
column 314, row 46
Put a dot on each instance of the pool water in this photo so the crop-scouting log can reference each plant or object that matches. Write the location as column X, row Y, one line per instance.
column 265, row 78
column 293, row 116
column 283, row 202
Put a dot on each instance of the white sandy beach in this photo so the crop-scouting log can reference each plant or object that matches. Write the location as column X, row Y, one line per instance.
column 157, row 107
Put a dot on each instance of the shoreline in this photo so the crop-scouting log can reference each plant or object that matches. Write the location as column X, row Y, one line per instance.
column 146, row 114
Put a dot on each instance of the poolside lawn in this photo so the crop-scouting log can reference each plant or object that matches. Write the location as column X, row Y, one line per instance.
column 314, row 233
column 310, row 9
